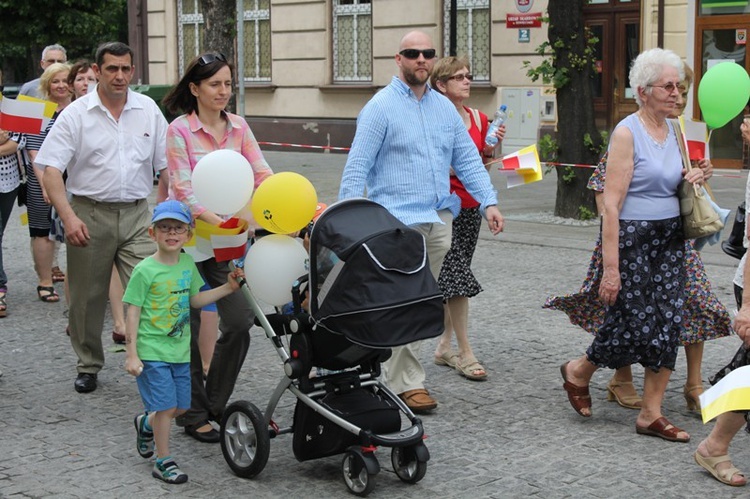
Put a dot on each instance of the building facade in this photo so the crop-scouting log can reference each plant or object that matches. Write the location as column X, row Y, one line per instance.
column 310, row 65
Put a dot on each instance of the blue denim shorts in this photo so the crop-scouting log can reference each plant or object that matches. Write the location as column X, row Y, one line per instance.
column 164, row 385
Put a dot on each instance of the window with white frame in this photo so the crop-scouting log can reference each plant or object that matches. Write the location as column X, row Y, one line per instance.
column 352, row 40
column 257, row 36
column 472, row 34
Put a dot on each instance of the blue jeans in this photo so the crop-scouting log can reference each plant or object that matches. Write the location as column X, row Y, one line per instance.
column 7, row 199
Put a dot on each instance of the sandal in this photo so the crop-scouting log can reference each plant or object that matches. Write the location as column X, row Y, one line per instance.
column 57, row 274
column 448, row 358
column 3, row 305
column 693, row 402
column 662, row 428
column 725, row 475
column 471, row 369
column 50, row 295
column 628, row 401
column 578, row 396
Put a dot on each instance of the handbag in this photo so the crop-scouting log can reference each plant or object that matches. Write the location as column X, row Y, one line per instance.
column 699, row 218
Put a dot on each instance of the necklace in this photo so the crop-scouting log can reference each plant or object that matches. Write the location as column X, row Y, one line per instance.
column 659, row 144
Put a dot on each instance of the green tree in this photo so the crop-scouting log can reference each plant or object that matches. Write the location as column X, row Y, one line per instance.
column 26, row 27
column 568, row 65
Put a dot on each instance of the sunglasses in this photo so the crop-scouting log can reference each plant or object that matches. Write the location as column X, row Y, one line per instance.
column 414, row 53
column 53, row 61
column 670, row 87
column 461, row 77
column 209, row 58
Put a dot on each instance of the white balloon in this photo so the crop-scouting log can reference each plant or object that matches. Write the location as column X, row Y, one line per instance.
column 223, row 181
column 272, row 265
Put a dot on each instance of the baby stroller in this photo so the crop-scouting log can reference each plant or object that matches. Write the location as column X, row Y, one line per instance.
column 370, row 289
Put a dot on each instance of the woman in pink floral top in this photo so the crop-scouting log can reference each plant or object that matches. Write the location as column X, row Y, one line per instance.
column 203, row 94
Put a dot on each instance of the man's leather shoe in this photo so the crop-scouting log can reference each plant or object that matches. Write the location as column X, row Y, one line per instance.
column 418, row 400
column 209, row 437
column 85, row 382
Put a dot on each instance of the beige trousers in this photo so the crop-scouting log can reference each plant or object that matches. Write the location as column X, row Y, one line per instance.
column 403, row 371
column 119, row 235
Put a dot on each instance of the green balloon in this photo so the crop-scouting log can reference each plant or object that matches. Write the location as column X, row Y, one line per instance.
column 723, row 93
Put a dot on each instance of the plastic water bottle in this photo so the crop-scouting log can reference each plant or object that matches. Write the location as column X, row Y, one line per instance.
column 500, row 116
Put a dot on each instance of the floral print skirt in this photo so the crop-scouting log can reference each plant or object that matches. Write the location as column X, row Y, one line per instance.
column 704, row 317
column 456, row 277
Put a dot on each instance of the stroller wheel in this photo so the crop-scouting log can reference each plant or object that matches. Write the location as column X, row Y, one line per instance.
column 407, row 464
column 245, row 441
column 359, row 480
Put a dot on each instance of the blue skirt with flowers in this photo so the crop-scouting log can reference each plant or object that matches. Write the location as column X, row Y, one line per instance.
column 645, row 322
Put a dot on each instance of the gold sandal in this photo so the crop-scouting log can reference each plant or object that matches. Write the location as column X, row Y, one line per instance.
column 626, row 401
column 693, row 402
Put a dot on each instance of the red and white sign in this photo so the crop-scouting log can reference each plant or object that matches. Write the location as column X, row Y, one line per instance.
column 524, row 6
column 532, row 20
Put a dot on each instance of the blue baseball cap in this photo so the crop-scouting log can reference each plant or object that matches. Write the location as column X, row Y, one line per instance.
column 175, row 210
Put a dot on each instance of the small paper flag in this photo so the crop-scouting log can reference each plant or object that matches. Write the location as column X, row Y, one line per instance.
column 695, row 136
column 732, row 393
column 224, row 242
column 49, row 108
column 21, row 116
column 522, row 167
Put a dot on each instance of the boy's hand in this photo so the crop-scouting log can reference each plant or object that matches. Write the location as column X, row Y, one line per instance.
column 234, row 278
column 134, row 366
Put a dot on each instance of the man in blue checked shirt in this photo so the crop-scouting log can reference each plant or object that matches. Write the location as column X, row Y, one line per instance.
column 408, row 138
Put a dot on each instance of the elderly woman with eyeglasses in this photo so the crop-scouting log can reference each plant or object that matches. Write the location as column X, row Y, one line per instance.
column 643, row 248
column 203, row 94
column 451, row 77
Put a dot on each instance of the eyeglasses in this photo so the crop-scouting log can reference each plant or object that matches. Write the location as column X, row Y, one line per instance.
column 669, row 87
column 414, row 53
column 209, row 58
column 52, row 61
column 460, row 77
column 167, row 228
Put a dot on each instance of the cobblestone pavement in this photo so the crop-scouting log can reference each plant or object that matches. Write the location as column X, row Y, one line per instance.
column 514, row 435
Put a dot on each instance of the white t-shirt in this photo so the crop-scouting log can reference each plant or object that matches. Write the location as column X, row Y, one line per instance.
column 741, row 267
column 106, row 159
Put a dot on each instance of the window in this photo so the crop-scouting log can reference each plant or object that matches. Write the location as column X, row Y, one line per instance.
column 257, row 36
column 352, row 40
column 472, row 34
column 257, row 31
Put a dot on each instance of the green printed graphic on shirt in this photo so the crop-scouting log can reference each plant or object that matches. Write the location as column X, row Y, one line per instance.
column 163, row 292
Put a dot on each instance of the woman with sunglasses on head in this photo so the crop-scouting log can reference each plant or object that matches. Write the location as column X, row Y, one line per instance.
column 203, row 94
column 643, row 249
column 704, row 316
column 451, row 77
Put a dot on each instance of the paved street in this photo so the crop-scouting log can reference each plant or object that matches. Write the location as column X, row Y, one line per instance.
column 514, row 435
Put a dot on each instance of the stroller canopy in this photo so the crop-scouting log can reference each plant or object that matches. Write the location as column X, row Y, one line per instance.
column 370, row 279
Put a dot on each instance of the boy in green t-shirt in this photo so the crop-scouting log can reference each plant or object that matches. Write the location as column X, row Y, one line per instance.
column 160, row 293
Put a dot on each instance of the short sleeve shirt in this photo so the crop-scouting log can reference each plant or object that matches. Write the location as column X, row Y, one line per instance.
column 163, row 292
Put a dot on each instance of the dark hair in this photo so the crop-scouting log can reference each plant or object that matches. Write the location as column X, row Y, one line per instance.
column 114, row 48
column 80, row 66
column 180, row 99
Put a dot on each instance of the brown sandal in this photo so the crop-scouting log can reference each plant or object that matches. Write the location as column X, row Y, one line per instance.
column 578, row 396
column 57, row 275
column 3, row 305
column 662, row 428
column 628, row 401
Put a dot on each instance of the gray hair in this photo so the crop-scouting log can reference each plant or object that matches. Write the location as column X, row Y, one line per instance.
column 55, row 46
column 648, row 67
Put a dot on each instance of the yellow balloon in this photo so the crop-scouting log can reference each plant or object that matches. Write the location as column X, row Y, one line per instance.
column 284, row 203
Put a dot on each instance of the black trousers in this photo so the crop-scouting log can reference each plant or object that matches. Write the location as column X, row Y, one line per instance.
column 209, row 398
